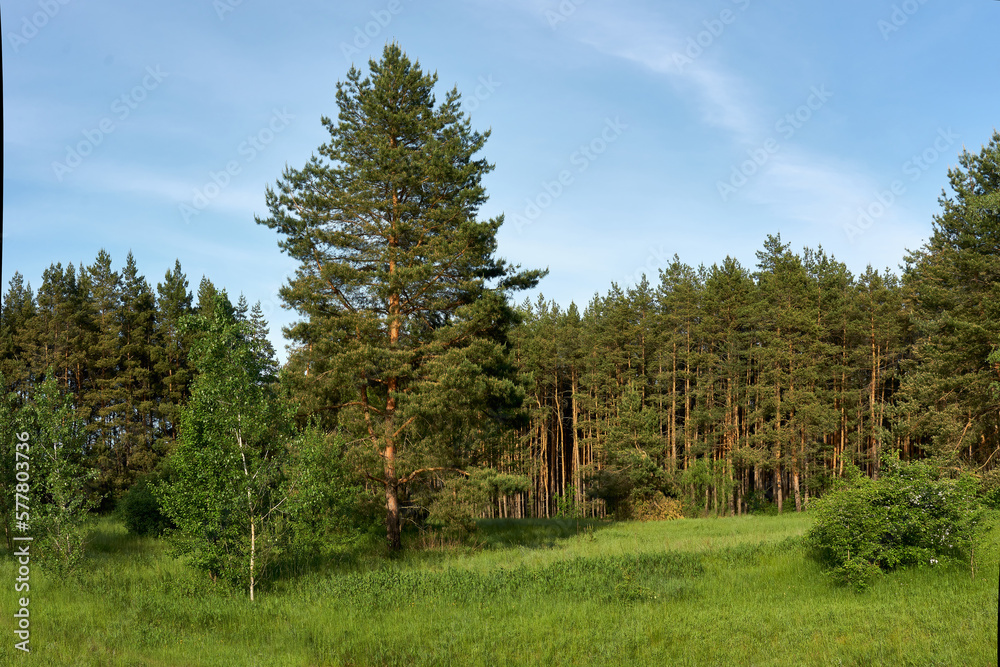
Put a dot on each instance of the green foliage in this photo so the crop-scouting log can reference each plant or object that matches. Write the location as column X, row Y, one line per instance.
column 914, row 514
column 951, row 287
column 757, row 503
column 453, row 511
column 140, row 510
column 566, row 505
column 403, row 345
column 60, row 521
column 637, row 488
column 11, row 425
column 225, row 474
column 114, row 351
column 989, row 489
column 614, row 488
column 326, row 508
column 60, row 501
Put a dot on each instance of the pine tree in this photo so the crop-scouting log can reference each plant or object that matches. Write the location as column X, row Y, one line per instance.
column 951, row 288
column 137, row 321
column 678, row 294
column 788, row 329
column 405, row 305
column 16, row 312
column 729, row 296
column 58, row 337
column 103, row 396
column 172, row 371
column 879, row 349
column 833, row 288
column 206, row 299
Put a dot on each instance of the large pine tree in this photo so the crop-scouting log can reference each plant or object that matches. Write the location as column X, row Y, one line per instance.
column 404, row 304
column 953, row 290
column 171, row 368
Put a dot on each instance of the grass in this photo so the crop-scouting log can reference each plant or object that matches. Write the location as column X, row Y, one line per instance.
column 736, row 591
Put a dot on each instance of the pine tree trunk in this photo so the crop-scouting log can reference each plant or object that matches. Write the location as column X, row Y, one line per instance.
column 392, row 532
column 672, row 427
column 779, row 491
column 561, row 442
column 795, row 489
column 576, row 444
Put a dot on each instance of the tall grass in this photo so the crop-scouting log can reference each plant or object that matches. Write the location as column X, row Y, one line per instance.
column 735, row 591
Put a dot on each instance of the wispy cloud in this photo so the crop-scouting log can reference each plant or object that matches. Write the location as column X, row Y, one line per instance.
column 724, row 99
column 796, row 183
column 811, row 189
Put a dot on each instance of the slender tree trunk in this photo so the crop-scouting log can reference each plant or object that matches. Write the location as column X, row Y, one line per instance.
column 561, row 442
column 672, row 426
column 250, row 510
column 253, row 551
column 795, row 489
column 576, row 443
column 777, row 450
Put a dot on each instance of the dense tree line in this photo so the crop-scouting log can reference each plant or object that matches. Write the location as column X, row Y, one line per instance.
column 727, row 387
column 718, row 385
column 116, row 348
column 724, row 389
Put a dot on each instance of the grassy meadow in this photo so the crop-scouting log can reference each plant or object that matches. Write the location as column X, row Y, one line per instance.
column 733, row 591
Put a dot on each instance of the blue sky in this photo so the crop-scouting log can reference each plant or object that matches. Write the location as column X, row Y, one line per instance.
column 622, row 132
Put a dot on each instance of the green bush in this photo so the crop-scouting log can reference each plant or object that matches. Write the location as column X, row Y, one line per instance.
column 914, row 514
column 657, row 507
column 139, row 510
column 989, row 489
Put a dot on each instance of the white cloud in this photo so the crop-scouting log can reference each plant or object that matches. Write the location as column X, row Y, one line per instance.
column 723, row 98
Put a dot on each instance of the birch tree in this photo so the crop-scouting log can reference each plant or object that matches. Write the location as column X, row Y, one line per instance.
column 225, row 489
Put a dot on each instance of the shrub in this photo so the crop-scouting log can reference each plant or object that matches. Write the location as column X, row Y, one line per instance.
column 989, row 488
column 326, row 508
column 140, row 511
column 657, row 508
column 453, row 510
column 915, row 514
